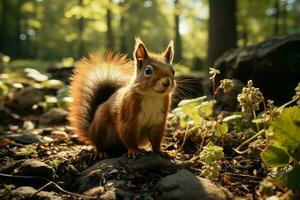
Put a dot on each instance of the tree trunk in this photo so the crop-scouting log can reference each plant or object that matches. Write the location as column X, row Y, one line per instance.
column 109, row 32
column 284, row 19
column 178, row 44
column 18, row 17
column 123, row 42
column 244, row 34
column 3, row 28
column 222, row 33
column 276, row 17
column 81, row 49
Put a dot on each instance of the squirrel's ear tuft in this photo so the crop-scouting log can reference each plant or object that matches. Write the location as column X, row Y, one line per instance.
column 169, row 53
column 140, row 52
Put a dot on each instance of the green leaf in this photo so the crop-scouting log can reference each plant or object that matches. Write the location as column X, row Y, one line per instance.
column 183, row 122
column 231, row 118
column 275, row 157
column 290, row 179
column 205, row 108
column 211, row 152
column 54, row 84
column 188, row 107
column 286, row 131
column 259, row 121
column 195, row 102
column 221, row 129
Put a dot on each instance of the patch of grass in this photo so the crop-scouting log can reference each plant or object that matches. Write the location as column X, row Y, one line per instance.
column 27, row 151
column 20, row 65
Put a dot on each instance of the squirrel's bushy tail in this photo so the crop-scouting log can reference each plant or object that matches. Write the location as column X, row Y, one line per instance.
column 94, row 80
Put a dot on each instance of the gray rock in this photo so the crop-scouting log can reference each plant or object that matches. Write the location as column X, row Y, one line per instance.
column 97, row 174
column 25, row 138
column 273, row 65
column 54, row 116
column 116, row 193
column 95, row 192
column 32, row 167
column 106, row 172
column 184, row 185
column 26, row 192
column 153, row 163
column 28, row 97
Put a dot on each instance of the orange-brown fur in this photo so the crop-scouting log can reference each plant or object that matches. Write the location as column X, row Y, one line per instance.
column 115, row 123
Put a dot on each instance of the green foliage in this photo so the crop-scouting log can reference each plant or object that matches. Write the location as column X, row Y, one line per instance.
column 250, row 98
column 285, row 146
column 187, row 112
column 290, row 178
column 35, row 75
column 286, row 131
column 209, row 155
column 6, row 188
column 27, row 151
column 20, row 65
column 56, row 162
column 275, row 157
column 3, row 91
column 61, row 99
column 52, row 84
column 7, row 85
column 221, row 129
column 232, row 118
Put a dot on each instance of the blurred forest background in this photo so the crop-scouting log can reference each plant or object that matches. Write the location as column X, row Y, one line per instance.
column 56, row 30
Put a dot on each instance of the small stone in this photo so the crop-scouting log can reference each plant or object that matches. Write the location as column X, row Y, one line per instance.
column 28, row 97
column 48, row 139
column 109, row 195
column 25, row 138
column 54, row 116
column 60, row 135
column 96, row 191
column 26, row 192
column 150, row 163
column 32, row 167
column 184, row 185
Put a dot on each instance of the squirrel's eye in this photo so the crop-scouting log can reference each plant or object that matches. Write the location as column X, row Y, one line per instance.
column 148, row 71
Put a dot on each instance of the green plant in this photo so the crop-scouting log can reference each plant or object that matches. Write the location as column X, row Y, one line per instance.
column 225, row 84
column 250, row 98
column 284, row 149
column 27, row 151
column 61, row 100
column 6, row 188
column 210, row 156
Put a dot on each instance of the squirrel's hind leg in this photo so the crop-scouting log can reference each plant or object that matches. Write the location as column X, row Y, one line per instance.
column 99, row 132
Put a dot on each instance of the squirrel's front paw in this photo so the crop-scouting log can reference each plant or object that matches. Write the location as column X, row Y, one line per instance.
column 133, row 153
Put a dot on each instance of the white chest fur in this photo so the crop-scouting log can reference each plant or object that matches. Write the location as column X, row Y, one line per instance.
column 151, row 112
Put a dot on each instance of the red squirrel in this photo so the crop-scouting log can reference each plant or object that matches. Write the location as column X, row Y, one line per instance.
column 120, row 104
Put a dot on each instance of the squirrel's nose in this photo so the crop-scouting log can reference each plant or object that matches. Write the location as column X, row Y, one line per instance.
column 166, row 82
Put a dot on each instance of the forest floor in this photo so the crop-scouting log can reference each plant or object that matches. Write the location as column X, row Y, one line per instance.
column 40, row 150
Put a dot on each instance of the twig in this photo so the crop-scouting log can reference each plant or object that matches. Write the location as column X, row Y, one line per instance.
column 247, row 141
column 46, row 185
column 242, row 175
column 41, row 188
column 288, row 103
column 184, row 139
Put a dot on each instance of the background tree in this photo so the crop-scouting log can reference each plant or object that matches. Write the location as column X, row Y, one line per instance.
column 80, row 32
column 109, row 32
column 53, row 30
column 222, row 32
column 177, row 43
